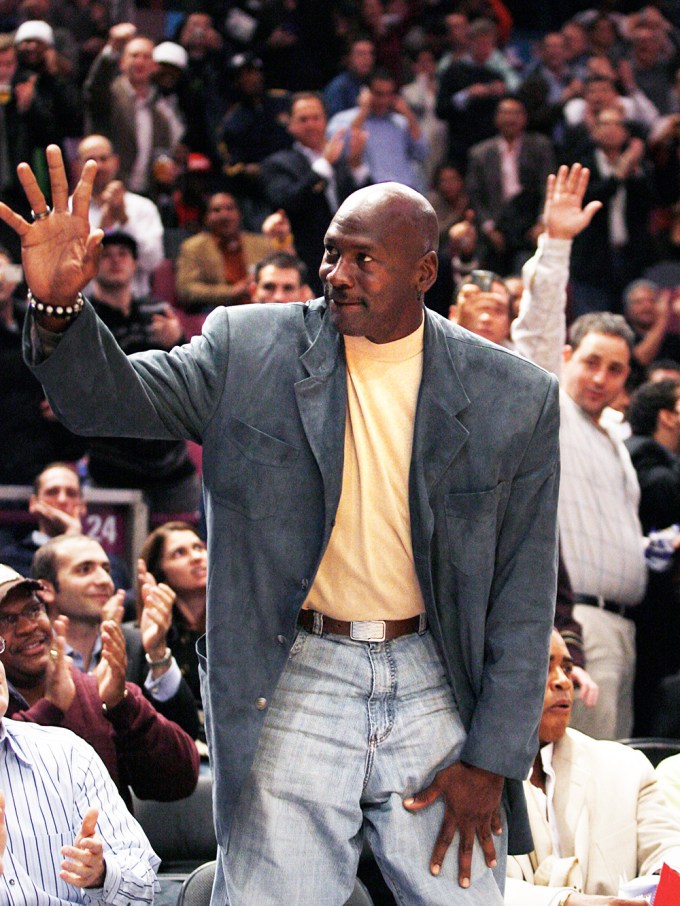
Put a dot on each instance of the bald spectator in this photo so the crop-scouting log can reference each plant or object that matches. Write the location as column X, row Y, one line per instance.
column 121, row 102
column 213, row 267
column 115, row 209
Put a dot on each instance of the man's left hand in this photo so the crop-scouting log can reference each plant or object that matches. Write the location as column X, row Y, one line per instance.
column 110, row 671
column 472, row 799
column 83, row 864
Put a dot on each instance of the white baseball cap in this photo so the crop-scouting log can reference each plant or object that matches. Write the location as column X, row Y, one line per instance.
column 169, row 52
column 35, row 30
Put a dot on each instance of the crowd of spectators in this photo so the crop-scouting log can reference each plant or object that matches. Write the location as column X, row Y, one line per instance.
column 226, row 137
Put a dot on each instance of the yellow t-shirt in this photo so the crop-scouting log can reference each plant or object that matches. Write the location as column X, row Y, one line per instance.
column 367, row 571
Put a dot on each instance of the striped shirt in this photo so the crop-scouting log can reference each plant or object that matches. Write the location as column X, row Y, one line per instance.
column 50, row 778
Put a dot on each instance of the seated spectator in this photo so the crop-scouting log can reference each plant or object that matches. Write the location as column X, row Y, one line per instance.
column 342, row 92
column 141, row 749
column 311, row 179
column 114, row 208
column 505, row 180
column 483, row 306
column 206, row 66
column 31, row 437
column 75, row 578
column 52, row 780
column 122, row 103
column 395, row 145
column 647, row 308
column 176, row 556
column 280, row 277
column 58, row 503
column 597, row 814
column 213, row 267
column 161, row 469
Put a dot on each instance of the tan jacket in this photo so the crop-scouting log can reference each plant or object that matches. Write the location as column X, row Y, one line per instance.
column 200, row 269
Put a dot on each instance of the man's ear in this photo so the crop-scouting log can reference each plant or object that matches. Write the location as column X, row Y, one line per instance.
column 429, row 265
column 48, row 594
column 567, row 353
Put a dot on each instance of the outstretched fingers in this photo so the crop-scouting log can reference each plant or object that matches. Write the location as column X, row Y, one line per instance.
column 13, row 220
column 80, row 203
column 32, row 190
column 58, row 180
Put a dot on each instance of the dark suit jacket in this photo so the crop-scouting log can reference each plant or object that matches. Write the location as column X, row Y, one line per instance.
column 265, row 391
column 484, row 182
column 289, row 182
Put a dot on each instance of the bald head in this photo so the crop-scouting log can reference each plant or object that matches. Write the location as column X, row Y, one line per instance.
column 380, row 258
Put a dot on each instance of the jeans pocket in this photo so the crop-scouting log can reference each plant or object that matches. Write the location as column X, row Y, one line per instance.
column 299, row 643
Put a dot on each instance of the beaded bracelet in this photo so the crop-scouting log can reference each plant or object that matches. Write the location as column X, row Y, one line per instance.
column 65, row 312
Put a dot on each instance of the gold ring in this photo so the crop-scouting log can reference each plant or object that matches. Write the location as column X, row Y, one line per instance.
column 54, row 653
column 45, row 213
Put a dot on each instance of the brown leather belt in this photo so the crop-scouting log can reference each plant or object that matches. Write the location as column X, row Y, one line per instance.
column 361, row 630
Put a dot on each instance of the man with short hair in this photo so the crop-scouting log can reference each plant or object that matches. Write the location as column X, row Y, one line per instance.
column 647, row 308
column 485, row 312
column 122, row 103
column 385, row 548
column 55, row 783
column 280, row 277
column 311, row 179
column 343, row 91
column 76, row 582
column 141, row 749
column 394, row 140
column 606, row 820
column 58, row 503
column 115, row 209
column 213, row 267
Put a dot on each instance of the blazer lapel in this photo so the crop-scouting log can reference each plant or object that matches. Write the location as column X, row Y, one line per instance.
column 322, row 403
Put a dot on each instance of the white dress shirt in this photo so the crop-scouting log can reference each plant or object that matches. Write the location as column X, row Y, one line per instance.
column 50, row 778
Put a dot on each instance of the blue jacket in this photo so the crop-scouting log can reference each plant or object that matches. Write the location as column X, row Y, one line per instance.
column 264, row 391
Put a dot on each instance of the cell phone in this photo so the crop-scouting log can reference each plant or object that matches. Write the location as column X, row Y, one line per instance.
column 482, row 279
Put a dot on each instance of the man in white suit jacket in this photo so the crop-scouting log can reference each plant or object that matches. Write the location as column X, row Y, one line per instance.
column 596, row 812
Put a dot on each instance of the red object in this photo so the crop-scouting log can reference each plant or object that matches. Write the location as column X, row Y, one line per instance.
column 668, row 891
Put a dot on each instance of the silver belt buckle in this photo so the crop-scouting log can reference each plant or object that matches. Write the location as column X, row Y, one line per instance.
column 367, row 630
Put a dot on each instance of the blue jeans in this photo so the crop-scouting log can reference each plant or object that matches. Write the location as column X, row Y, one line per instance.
column 352, row 729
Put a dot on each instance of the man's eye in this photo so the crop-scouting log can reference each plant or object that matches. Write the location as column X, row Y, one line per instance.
column 364, row 258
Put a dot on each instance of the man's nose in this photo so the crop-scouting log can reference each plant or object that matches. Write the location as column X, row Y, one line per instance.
column 339, row 274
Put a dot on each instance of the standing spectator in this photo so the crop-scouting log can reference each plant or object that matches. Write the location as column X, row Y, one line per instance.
column 162, row 469
column 651, row 66
column 421, row 97
column 505, row 181
column 654, row 417
column 254, row 127
column 31, row 436
column 45, row 92
column 206, row 65
column 311, row 179
column 647, row 308
column 342, row 92
column 121, row 102
column 576, row 47
column 616, row 246
column 469, row 90
column 115, row 209
column 395, row 144
column 549, row 86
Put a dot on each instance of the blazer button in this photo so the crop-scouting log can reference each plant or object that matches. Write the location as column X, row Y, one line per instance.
column 281, row 639
column 305, row 584
column 261, row 704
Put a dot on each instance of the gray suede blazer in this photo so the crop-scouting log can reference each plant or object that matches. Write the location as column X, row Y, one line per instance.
column 264, row 391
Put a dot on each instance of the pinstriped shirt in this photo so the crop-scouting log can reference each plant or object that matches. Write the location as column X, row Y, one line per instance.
column 50, row 778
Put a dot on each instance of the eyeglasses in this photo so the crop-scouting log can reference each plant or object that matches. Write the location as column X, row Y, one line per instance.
column 8, row 621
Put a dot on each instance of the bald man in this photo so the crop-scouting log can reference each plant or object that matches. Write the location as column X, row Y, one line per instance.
column 381, row 551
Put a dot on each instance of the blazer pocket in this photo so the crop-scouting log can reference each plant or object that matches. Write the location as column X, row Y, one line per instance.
column 254, row 473
column 471, row 524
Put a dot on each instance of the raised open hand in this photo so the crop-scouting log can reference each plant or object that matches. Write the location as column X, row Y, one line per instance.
column 563, row 214
column 60, row 255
